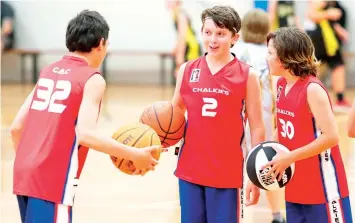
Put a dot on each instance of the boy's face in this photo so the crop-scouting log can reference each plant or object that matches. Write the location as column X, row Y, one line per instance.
column 274, row 63
column 217, row 40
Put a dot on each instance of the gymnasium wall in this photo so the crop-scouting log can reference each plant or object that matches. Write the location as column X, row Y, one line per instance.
column 135, row 25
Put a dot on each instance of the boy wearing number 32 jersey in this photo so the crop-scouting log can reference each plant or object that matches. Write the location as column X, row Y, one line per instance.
column 318, row 191
column 57, row 124
column 215, row 89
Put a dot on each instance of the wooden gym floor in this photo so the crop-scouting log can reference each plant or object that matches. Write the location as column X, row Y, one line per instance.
column 109, row 196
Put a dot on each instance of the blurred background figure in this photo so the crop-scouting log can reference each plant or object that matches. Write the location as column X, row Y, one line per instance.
column 253, row 51
column 187, row 46
column 7, row 26
column 325, row 24
column 283, row 14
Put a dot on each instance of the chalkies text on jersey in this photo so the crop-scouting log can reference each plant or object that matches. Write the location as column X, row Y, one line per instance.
column 285, row 112
column 210, row 90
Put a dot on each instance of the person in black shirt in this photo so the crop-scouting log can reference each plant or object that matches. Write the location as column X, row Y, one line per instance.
column 7, row 26
column 328, row 34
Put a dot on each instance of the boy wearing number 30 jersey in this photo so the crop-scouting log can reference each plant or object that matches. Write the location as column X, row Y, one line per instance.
column 57, row 124
column 318, row 191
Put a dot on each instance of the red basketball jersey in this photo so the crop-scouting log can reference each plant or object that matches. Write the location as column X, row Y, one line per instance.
column 318, row 179
column 49, row 160
column 211, row 154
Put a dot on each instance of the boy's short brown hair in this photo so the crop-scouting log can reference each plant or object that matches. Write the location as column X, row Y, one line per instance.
column 223, row 17
column 255, row 26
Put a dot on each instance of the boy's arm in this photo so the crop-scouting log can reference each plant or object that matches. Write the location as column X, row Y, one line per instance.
column 351, row 122
column 17, row 125
column 320, row 107
column 319, row 104
column 88, row 135
column 254, row 109
column 177, row 100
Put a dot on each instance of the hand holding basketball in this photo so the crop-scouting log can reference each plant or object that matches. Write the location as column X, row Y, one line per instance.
column 145, row 161
column 279, row 164
column 147, row 148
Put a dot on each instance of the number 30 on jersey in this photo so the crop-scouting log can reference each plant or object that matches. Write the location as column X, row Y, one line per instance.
column 52, row 95
column 287, row 129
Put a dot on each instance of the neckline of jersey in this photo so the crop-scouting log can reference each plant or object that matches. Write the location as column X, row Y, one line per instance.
column 74, row 58
column 222, row 69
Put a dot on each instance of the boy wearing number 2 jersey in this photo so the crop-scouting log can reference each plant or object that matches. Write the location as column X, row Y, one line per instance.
column 215, row 90
column 318, row 191
column 57, row 124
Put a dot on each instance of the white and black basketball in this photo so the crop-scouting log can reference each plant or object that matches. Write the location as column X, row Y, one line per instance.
column 261, row 155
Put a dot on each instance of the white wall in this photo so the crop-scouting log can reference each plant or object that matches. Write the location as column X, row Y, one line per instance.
column 134, row 25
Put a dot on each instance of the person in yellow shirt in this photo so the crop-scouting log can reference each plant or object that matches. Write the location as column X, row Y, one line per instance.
column 283, row 14
column 326, row 22
column 187, row 46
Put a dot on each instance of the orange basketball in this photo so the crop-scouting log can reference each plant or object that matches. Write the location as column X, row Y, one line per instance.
column 167, row 121
column 136, row 135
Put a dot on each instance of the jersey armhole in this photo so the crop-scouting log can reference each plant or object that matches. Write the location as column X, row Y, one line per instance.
column 92, row 74
column 87, row 77
column 324, row 89
column 188, row 64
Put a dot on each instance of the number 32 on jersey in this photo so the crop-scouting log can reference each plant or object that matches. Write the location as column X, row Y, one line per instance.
column 52, row 95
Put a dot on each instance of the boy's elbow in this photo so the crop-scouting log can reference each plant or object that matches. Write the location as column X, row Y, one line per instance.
column 334, row 139
column 83, row 136
column 351, row 132
column 15, row 130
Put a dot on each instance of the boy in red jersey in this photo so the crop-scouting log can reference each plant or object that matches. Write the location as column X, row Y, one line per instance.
column 318, row 191
column 215, row 89
column 57, row 124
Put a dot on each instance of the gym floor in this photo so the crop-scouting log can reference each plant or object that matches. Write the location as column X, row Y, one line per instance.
column 107, row 195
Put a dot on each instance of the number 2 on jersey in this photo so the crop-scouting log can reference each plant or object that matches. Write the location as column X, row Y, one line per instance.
column 52, row 95
column 210, row 104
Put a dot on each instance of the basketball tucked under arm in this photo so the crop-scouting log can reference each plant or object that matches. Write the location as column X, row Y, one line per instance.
column 319, row 104
column 17, row 125
column 86, row 129
column 177, row 100
column 254, row 110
